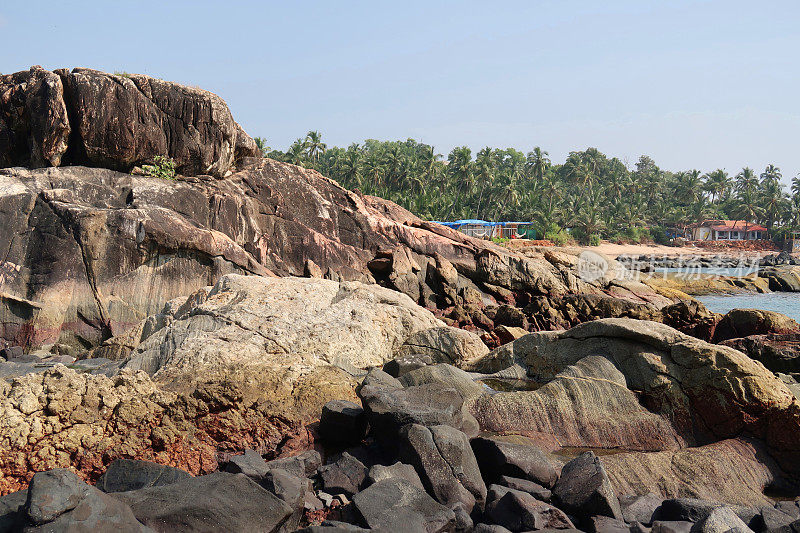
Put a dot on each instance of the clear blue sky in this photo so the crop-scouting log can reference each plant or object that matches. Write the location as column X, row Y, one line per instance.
column 693, row 84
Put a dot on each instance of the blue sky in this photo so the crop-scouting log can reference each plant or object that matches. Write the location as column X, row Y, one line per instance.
column 693, row 84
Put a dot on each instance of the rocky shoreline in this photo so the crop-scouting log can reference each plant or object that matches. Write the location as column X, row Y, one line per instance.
column 251, row 347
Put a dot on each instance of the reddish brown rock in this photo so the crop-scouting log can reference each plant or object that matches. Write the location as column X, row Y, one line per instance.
column 34, row 126
column 778, row 352
column 63, row 419
column 124, row 121
column 740, row 323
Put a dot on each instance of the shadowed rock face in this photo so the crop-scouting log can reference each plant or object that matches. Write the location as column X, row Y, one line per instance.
column 34, row 126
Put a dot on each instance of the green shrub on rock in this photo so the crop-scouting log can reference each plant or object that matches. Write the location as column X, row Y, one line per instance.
column 163, row 167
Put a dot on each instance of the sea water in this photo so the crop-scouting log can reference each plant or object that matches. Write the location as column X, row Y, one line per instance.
column 787, row 303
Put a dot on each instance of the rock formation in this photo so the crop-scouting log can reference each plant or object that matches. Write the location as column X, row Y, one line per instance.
column 232, row 308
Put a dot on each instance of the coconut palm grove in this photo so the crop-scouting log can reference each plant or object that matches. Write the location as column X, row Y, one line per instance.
column 592, row 194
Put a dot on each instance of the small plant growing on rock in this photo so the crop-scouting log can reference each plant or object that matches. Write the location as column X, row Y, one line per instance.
column 163, row 167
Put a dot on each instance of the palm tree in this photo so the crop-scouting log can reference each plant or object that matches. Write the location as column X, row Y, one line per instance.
column 459, row 164
column 746, row 180
column 771, row 174
column 296, row 152
column 773, row 200
column 796, row 185
column 314, row 145
column 717, row 184
column 538, row 162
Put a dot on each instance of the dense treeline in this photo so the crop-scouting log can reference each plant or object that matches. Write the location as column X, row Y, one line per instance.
column 594, row 195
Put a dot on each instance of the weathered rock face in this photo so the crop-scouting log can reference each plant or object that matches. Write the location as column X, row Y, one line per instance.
column 731, row 471
column 281, row 325
column 87, row 117
column 707, row 392
column 62, row 419
column 703, row 402
column 782, row 278
column 91, row 252
column 739, row 323
column 587, row 404
column 124, row 121
column 34, row 126
column 777, row 352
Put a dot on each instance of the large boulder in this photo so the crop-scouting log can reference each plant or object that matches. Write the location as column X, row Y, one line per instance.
column 390, row 406
column 216, row 502
column 498, row 458
column 58, row 500
column 703, row 392
column 34, row 126
column 445, row 345
column 115, row 121
column 732, row 471
column 125, row 120
column 782, row 278
column 397, row 505
column 739, row 323
column 588, row 403
column 445, row 462
column 779, row 352
column 274, row 323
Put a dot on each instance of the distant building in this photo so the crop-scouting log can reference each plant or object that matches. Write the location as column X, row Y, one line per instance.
column 483, row 229
column 728, row 230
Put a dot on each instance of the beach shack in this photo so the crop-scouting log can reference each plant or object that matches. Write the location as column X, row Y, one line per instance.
column 728, row 230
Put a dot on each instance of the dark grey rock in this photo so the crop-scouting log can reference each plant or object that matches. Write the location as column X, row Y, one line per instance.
column 671, row 526
column 445, row 463
column 130, row 474
column 721, row 520
column 345, row 475
column 250, row 463
column 388, row 409
column 636, row 527
column 788, row 507
column 694, row 510
column 302, row 465
column 398, row 470
column 380, row 379
column 12, row 511
column 52, row 493
column 489, row 528
column 585, row 490
column 773, row 520
column 217, row 502
column 519, row 511
column 342, row 422
column 640, row 508
column 58, row 500
column 606, row 524
column 464, row 522
column 532, row 488
column 497, row 458
column 404, row 364
column 397, row 505
column 289, row 488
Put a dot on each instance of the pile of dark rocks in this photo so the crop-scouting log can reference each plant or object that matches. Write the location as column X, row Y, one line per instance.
column 783, row 258
column 410, row 460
